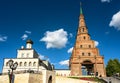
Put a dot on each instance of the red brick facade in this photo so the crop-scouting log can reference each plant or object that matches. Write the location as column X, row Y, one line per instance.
column 85, row 53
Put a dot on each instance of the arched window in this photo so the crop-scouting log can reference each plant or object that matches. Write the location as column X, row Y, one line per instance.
column 25, row 64
column 89, row 46
column 83, row 54
column 34, row 64
column 89, row 54
column 83, row 30
column 27, row 55
column 30, row 63
column 84, row 37
column 20, row 64
column 80, row 46
column 7, row 64
column 22, row 55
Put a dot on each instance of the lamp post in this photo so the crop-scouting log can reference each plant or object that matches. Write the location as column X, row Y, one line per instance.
column 12, row 66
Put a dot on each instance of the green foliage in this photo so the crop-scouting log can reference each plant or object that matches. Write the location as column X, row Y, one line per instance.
column 113, row 67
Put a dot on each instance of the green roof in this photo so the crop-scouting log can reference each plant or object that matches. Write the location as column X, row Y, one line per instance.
column 81, row 12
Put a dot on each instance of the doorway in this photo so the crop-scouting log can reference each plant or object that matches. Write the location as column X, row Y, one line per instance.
column 87, row 67
column 50, row 79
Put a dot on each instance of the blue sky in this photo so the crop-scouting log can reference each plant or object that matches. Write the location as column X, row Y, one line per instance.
column 52, row 25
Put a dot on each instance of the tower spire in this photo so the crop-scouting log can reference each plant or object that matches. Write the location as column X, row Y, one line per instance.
column 81, row 12
column 85, row 53
column 82, row 25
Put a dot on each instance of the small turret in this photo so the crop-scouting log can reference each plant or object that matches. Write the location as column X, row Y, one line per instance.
column 22, row 47
column 29, row 44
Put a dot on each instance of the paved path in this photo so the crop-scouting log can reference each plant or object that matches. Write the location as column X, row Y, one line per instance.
column 60, row 79
column 113, row 80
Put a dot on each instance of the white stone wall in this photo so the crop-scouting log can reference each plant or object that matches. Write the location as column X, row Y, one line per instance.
column 31, row 64
column 46, row 75
column 62, row 72
column 25, row 53
column 27, row 59
column 23, row 78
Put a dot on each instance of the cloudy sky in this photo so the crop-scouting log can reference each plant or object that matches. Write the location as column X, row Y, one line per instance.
column 52, row 25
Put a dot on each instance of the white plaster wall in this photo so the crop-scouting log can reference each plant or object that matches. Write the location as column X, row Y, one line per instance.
column 62, row 72
column 20, row 68
column 23, row 78
column 46, row 74
column 27, row 53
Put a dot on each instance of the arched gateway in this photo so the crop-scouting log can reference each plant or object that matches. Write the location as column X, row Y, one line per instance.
column 85, row 58
column 87, row 67
column 50, row 79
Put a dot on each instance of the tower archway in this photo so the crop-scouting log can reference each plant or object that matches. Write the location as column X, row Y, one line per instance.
column 87, row 67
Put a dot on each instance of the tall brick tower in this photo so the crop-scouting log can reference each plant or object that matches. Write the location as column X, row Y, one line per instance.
column 85, row 55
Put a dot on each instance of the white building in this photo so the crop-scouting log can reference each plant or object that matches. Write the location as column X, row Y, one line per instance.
column 63, row 72
column 28, row 60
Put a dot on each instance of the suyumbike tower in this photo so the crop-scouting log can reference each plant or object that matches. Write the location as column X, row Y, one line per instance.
column 85, row 58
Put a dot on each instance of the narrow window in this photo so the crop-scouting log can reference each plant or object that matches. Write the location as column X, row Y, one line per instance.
column 25, row 64
column 89, row 54
column 30, row 63
column 27, row 55
column 80, row 46
column 20, row 64
column 83, row 29
column 83, row 54
column 34, row 64
column 84, row 37
column 7, row 64
column 89, row 46
column 22, row 55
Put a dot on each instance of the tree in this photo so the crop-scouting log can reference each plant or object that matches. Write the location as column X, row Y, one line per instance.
column 117, row 65
column 113, row 67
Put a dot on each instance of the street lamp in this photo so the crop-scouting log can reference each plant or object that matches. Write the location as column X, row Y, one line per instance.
column 12, row 66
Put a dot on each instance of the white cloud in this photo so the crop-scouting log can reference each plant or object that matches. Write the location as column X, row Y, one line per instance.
column 115, row 22
column 29, row 32
column 71, row 35
column 24, row 37
column 55, row 39
column 96, row 43
column 43, row 57
column 65, row 62
column 3, row 38
column 105, row 1
column 70, row 50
